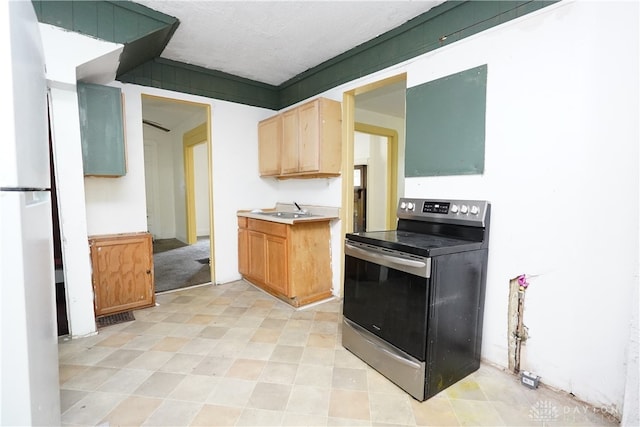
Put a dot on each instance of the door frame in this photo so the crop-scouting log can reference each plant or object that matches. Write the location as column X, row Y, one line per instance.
column 199, row 135
column 203, row 132
column 190, row 140
column 348, row 131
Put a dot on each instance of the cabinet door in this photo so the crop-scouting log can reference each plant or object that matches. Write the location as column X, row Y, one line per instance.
column 269, row 146
column 101, row 130
column 309, row 143
column 122, row 273
column 290, row 142
column 257, row 256
column 277, row 277
column 243, row 251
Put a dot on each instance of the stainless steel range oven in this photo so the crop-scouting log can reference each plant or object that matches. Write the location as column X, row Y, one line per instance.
column 414, row 297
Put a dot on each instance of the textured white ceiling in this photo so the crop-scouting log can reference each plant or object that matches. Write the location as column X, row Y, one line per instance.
column 273, row 41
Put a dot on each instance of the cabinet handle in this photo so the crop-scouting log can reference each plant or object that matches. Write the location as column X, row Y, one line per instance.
column 148, row 271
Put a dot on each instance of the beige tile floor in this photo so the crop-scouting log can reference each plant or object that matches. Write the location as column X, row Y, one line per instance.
column 232, row 355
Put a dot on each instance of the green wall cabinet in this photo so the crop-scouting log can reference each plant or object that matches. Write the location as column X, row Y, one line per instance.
column 102, row 130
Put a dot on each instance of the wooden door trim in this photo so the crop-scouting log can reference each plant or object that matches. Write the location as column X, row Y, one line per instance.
column 199, row 135
column 190, row 140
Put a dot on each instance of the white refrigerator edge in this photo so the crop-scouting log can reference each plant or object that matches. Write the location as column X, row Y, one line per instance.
column 29, row 392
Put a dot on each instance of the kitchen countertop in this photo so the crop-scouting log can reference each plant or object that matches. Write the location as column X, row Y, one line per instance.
column 316, row 213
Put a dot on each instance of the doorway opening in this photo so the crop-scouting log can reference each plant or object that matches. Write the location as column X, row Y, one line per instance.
column 376, row 109
column 178, row 183
column 377, row 148
column 359, row 198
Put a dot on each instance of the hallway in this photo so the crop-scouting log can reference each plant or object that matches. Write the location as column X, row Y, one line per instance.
column 233, row 355
column 178, row 265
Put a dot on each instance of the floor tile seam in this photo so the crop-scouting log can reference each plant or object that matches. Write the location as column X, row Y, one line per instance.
column 257, row 409
column 173, row 399
column 91, row 390
column 407, row 399
column 160, row 405
column 455, row 413
column 122, row 396
column 304, row 413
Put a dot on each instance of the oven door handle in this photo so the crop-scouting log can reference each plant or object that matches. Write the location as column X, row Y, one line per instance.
column 420, row 268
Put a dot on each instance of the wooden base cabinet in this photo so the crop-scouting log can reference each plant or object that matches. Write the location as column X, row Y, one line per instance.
column 291, row 262
column 243, row 246
column 122, row 272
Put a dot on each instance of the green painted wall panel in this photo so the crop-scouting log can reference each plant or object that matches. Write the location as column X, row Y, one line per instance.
column 186, row 78
column 126, row 25
column 445, row 125
column 169, row 73
column 182, row 78
column 147, row 25
column 156, row 71
column 106, row 21
column 85, row 17
column 57, row 13
column 115, row 21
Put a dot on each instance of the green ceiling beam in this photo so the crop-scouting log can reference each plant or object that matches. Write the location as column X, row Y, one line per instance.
column 180, row 77
column 146, row 32
column 449, row 22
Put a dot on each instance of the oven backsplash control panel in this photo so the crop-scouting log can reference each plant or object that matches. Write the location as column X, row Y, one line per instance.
column 467, row 212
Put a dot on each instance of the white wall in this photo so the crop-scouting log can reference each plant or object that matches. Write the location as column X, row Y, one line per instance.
column 118, row 205
column 377, row 179
column 389, row 122
column 561, row 142
column 371, row 150
column 201, row 187
column 167, row 214
column 68, row 56
column 179, row 186
column 562, row 174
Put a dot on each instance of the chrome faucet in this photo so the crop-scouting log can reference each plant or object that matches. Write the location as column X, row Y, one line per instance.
column 299, row 208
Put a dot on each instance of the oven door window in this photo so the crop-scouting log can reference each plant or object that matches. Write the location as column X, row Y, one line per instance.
column 389, row 303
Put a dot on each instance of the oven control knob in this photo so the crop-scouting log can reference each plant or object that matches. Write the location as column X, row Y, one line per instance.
column 455, row 209
column 464, row 209
column 475, row 210
column 403, row 205
column 410, row 206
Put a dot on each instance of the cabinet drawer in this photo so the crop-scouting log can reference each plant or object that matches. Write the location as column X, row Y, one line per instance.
column 242, row 222
column 268, row 227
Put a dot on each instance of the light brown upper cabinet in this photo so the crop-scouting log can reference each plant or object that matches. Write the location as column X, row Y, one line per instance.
column 269, row 145
column 310, row 141
column 290, row 141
